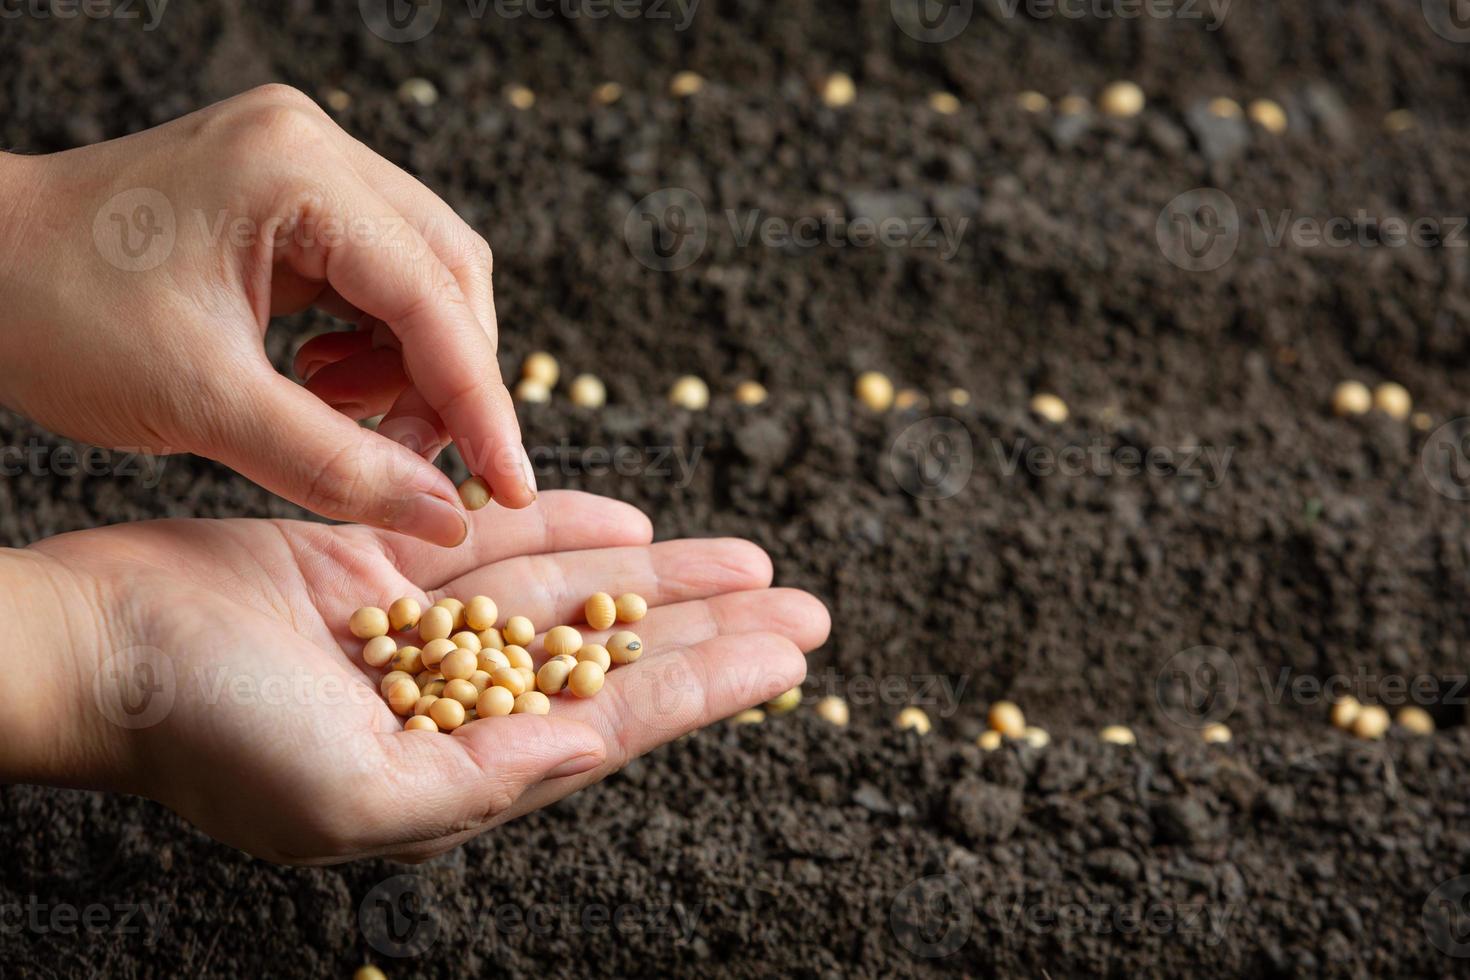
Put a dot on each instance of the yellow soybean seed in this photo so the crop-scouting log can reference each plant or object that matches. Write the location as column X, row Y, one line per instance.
column 600, row 611
column 491, row 660
column 410, row 660
column 750, row 393
column 459, row 665
column 1372, row 721
column 607, row 93
column 1393, row 400
column 990, row 740
column 1049, row 407
column 552, row 676
column 462, row 691
column 519, row 631
column 541, row 366
column 562, row 640
column 685, row 84
column 910, row 398
column 750, row 716
column 631, row 607
column 481, row 680
column 511, row 679
column 419, row 723
column 1037, row 738
column 532, row 391
column 368, row 622
column 423, row 677
column 1006, row 718
column 435, row 651
column 1073, row 105
column 1121, row 99
column 403, row 695
column 447, row 713
column 624, row 647
column 1267, row 114
column 404, row 614
column 435, row 624
column 1031, row 101
column 517, row 656
column 474, row 493
column 378, row 651
column 456, row 609
column 435, row 687
column 1118, row 735
column 491, row 639
column 944, row 103
column 528, row 675
column 1345, row 712
column 595, row 653
column 833, row 710
column 839, row 90
column 874, row 390
column 424, row 703
column 1223, row 108
column 958, row 396
column 495, row 702
column 466, row 640
column 586, row 678
column 531, row 703
column 1351, row 398
column 913, row 719
column 1217, row 733
column 520, row 97
column 690, row 392
column 784, row 702
column 587, row 391
column 393, row 677
column 369, row 972
column 480, row 613
column 418, row 91
column 1416, row 720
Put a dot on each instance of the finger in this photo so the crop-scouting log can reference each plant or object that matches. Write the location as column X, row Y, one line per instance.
column 552, row 588
column 329, row 348
column 562, row 520
column 412, row 422
column 361, row 385
column 284, row 438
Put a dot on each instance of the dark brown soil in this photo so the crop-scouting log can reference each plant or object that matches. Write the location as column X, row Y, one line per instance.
column 1321, row 553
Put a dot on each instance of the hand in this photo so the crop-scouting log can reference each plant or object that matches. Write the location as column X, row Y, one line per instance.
column 138, row 277
column 273, row 739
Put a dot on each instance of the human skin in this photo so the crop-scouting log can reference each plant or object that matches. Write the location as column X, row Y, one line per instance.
column 138, row 277
column 264, row 728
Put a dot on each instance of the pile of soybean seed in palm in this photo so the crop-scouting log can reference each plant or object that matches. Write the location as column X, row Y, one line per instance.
column 469, row 668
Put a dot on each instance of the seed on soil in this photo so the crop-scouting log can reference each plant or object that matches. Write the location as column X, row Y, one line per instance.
column 518, row 656
column 874, row 390
column 435, row 624
column 1006, row 718
column 595, row 653
column 552, row 676
column 418, row 91
column 418, row 723
column 1345, row 712
column 958, row 396
column 474, row 493
column 562, row 640
column 337, row 100
column 838, row 90
column 1118, row 735
column 462, row 691
column 631, row 607
column 368, row 622
column 424, row 703
column 403, row 695
column 1393, row 400
column 447, row 713
column 1049, row 407
column 1030, row 101
column 833, row 710
column 1351, row 398
column 690, row 392
column 410, row 660
column 480, row 613
column 600, row 611
column 1421, row 421
column 1372, row 721
column 944, row 103
column 1416, row 719
column 1217, row 733
column 393, row 677
column 750, row 393
column 435, row 651
column 624, row 647
column 586, row 678
column 520, row 96
column 459, row 665
column 378, row 651
column 784, row 702
column 404, row 614
column 1037, row 738
column 531, row 703
column 1073, row 105
column 685, row 84
column 533, row 391
column 750, row 716
column 1121, row 99
column 519, row 631
column 1267, row 114
column 913, row 718
column 588, row 391
column 990, row 740
column 607, row 93
column 1399, row 121
column 909, row 398
column 541, row 366
column 1223, row 108
column 495, row 702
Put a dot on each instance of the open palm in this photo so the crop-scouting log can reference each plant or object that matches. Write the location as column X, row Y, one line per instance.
column 268, row 732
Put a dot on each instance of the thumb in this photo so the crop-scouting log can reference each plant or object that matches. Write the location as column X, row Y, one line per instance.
column 284, row 438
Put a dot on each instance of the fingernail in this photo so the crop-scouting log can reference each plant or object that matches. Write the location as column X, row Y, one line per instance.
column 575, row 766
column 432, row 519
column 528, row 474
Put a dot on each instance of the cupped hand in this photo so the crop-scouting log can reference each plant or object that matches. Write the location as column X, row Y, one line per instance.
column 138, row 277
column 229, row 688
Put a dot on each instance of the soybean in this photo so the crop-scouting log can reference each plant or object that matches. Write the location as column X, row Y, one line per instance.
column 833, row 710
column 542, row 367
column 519, row 631
column 436, row 624
column 474, row 493
column 466, row 640
column 552, row 676
column 418, row 723
column 562, row 640
column 447, row 713
column 595, row 653
column 585, row 679
column 410, row 660
column 1006, row 718
column 480, row 613
column 690, row 392
column 462, row 691
column 631, row 607
column 588, row 391
column 378, row 651
column 368, row 622
column 403, row 695
column 784, row 702
column 517, row 656
column 532, row 703
column 874, row 390
column 913, row 719
column 404, row 614
column 459, row 665
column 495, row 702
column 511, row 679
column 624, row 647
column 600, row 611
column 435, row 651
